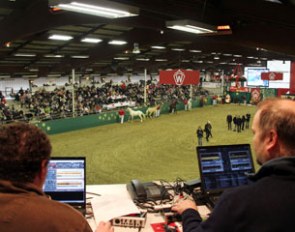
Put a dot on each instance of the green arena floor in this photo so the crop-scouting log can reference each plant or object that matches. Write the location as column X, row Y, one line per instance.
column 162, row 148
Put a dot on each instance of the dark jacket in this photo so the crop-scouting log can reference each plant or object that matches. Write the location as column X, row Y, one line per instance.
column 267, row 204
column 25, row 208
column 200, row 133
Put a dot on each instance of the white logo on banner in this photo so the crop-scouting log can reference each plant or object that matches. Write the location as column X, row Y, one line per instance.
column 272, row 76
column 179, row 77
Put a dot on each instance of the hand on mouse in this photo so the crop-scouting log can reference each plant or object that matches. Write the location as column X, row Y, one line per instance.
column 183, row 205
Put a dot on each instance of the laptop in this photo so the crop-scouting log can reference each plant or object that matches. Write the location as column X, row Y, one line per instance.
column 223, row 167
column 65, row 181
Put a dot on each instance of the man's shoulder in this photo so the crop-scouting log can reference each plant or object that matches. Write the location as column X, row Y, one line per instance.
column 44, row 213
column 55, row 207
column 60, row 213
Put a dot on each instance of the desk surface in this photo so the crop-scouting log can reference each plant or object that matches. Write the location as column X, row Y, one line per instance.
column 120, row 191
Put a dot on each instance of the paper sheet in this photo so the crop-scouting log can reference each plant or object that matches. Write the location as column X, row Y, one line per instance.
column 108, row 207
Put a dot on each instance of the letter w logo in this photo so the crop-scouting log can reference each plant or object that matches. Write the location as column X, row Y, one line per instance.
column 179, row 77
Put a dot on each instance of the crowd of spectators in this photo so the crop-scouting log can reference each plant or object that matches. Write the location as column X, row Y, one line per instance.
column 9, row 113
column 47, row 105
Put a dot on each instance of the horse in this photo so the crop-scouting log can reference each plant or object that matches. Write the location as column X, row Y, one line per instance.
column 152, row 111
column 138, row 113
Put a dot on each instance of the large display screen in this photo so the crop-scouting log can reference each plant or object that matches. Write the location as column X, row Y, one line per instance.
column 253, row 75
column 282, row 66
column 279, row 66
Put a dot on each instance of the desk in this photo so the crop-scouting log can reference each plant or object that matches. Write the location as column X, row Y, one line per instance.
column 120, row 190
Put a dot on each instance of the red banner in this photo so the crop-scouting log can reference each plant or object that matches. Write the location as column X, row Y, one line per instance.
column 180, row 77
column 238, row 89
column 271, row 76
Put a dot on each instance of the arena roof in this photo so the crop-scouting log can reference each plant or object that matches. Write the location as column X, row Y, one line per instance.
column 261, row 30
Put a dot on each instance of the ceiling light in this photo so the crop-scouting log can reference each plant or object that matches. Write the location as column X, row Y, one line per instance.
column 142, row 59
column 80, row 57
column 274, row 1
column 191, row 26
column 99, row 8
column 158, row 47
column 117, row 42
column 135, row 48
column 90, row 40
column 223, row 28
column 24, row 54
column 61, row 37
column 136, row 51
column 195, row 51
column 178, row 49
column 161, row 60
column 261, row 49
column 216, row 57
column 53, row 56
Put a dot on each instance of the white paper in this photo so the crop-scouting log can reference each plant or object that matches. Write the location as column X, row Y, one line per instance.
column 108, row 207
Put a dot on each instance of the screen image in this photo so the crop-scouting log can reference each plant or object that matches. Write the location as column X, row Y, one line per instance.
column 283, row 67
column 224, row 166
column 253, row 75
column 279, row 66
column 65, row 181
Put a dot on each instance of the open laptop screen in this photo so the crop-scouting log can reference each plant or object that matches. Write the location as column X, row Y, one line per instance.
column 65, row 181
column 224, row 166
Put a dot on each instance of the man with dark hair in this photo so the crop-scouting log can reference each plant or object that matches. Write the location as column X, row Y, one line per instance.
column 267, row 204
column 248, row 116
column 24, row 154
column 239, row 124
column 208, row 130
column 229, row 119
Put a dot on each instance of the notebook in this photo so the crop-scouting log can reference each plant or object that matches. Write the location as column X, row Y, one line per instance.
column 65, row 181
column 223, row 167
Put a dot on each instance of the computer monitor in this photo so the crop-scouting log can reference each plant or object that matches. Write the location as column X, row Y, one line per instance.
column 65, row 181
column 224, row 166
